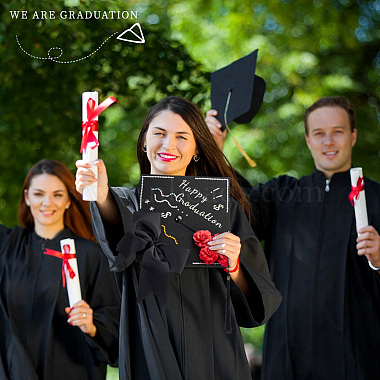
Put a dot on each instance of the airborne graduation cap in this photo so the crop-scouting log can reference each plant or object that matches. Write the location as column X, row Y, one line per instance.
column 237, row 93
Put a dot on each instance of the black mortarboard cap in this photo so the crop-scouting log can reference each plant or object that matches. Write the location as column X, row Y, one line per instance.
column 247, row 90
column 187, row 204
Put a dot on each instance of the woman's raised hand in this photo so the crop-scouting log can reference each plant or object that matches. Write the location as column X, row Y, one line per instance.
column 86, row 177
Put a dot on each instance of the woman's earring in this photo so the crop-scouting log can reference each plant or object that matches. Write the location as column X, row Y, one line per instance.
column 196, row 158
column 144, row 148
column 27, row 203
column 67, row 207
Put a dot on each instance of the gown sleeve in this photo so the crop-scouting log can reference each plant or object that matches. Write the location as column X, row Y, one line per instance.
column 264, row 199
column 8, row 238
column 109, row 235
column 263, row 298
column 103, row 297
column 14, row 360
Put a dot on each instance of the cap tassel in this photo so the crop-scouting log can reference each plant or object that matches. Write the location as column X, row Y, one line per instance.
column 227, row 312
column 242, row 151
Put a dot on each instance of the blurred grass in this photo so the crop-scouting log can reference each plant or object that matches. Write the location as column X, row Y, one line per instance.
column 112, row 373
column 255, row 336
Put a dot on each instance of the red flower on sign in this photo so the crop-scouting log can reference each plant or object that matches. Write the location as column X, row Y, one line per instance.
column 201, row 238
column 208, row 256
column 223, row 260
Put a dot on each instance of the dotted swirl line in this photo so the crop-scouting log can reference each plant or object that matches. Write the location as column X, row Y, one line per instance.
column 166, row 196
column 54, row 59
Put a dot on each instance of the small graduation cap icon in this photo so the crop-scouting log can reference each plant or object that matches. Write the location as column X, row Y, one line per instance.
column 134, row 34
column 237, row 93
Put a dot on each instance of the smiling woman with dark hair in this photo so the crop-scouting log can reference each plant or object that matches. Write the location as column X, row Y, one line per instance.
column 186, row 336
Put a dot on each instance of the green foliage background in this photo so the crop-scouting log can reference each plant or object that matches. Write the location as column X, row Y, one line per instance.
column 307, row 49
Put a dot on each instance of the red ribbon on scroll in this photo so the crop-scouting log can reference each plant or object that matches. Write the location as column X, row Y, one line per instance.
column 355, row 190
column 91, row 125
column 65, row 260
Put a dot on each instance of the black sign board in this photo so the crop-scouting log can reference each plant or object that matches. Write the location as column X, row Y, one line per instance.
column 186, row 205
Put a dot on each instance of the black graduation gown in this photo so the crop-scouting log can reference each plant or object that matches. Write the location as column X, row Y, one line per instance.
column 328, row 325
column 36, row 340
column 185, row 338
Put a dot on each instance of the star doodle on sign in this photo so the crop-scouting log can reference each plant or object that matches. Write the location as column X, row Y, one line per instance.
column 134, row 32
column 147, row 201
column 151, row 208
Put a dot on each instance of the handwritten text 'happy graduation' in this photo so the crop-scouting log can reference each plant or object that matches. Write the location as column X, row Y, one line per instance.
column 194, row 207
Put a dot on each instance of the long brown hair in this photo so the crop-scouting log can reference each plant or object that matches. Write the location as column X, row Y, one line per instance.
column 212, row 161
column 77, row 217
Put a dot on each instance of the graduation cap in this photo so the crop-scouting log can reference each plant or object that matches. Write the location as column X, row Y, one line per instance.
column 237, row 93
column 188, row 205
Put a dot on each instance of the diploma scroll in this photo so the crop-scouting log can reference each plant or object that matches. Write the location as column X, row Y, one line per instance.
column 90, row 151
column 90, row 142
column 72, row 281
column 357, row 197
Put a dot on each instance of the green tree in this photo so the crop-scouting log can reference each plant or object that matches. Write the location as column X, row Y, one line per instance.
column 307, row 49
column 40, row 100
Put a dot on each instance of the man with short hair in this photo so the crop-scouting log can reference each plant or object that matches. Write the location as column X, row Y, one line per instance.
column 328, row 325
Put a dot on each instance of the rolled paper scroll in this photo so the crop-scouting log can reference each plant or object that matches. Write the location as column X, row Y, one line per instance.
column 89, row 145
column 357, row 198
column 71, row 271
column 90, row 142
